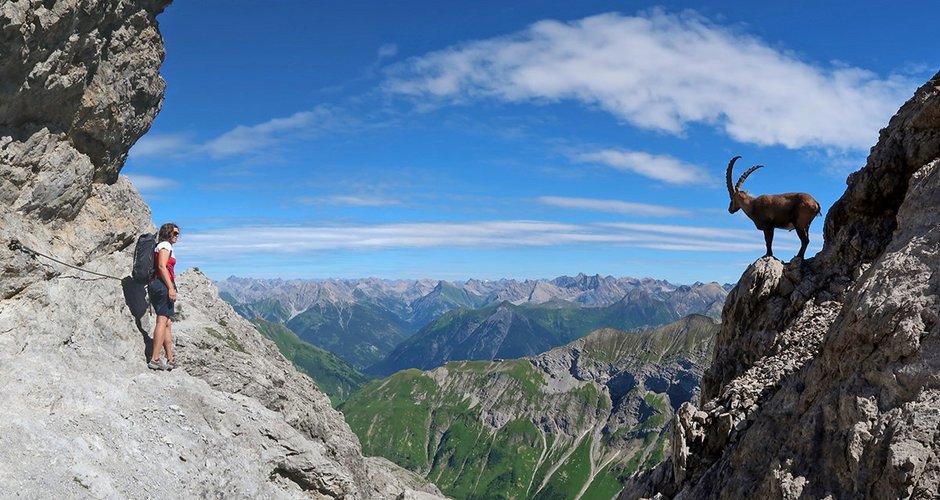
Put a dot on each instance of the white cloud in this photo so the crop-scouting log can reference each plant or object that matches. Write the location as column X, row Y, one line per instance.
column 388, row 50
column 615, row 206
column 691, row 238
column 710, row 233
column 349, row 200
column 663, row 71
column 149, row 183
column 382, row 236
column 242, row 140
column 266, row 242
column 160, row 145
column 251, row 138
column 661, row 168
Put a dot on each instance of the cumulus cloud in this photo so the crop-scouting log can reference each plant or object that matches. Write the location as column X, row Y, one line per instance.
column 658, row 167
column 664, row 71
column 614, row 206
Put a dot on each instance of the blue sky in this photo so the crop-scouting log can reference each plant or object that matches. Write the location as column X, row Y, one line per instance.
column 491, row 139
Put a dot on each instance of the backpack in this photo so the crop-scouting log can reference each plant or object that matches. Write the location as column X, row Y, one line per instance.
column 142, row 271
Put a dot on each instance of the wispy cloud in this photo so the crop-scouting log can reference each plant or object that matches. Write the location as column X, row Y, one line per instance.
column 614, row 206
column 388, row 50
column 160, row 145
column 349, row 201
column 243, row 140
column 692, row 238
column 248, row 139
column 710, row 233
column 663, row 71
column 265, row 241
column 659, row 167
column 149, row 183
column 384, row 236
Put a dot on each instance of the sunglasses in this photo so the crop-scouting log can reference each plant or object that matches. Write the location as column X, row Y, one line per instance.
column 176, row 233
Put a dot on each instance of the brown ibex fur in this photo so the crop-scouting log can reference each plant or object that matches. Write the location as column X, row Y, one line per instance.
column 768, row 211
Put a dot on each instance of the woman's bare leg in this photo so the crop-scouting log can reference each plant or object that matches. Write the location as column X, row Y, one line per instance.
column 168, row 340
column 159, row 336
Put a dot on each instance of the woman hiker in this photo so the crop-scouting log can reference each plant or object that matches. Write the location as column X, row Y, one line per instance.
column 163, row 296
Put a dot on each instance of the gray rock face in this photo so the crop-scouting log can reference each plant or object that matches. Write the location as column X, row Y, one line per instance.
column 88, row 72
column 824, row 380
column 79, row 84
column 236, row 420
column 82, row 416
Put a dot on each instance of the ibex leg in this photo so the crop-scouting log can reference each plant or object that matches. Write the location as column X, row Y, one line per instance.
column 769, row 240
column 804, row 240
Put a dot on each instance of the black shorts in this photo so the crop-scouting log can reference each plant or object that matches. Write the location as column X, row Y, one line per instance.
column 160, row 298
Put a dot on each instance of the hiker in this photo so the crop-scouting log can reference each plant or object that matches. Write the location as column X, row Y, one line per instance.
column 163, row 296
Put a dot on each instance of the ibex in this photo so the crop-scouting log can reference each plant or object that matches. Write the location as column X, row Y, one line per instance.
column 768, row 211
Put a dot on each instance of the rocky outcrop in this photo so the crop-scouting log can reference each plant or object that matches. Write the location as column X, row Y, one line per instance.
column 79, row 84
column 81, row 414
column 824, row 380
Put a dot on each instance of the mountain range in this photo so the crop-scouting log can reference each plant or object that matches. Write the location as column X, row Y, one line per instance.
column 371, row 323
column 568, row 423
column 507, row 331
column 420, row 301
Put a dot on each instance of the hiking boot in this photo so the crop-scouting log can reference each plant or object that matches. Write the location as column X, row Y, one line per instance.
column 171, row 364
column 156, row 365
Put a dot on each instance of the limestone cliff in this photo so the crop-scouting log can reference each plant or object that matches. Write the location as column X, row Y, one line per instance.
column 824, row 381
column 81, row 414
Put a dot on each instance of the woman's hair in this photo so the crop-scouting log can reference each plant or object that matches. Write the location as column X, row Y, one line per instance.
column 166, row 231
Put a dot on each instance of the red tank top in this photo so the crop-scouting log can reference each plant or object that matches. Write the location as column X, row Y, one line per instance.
column 170, row 263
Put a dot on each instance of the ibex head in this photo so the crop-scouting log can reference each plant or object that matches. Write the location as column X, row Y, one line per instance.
column 737, row 196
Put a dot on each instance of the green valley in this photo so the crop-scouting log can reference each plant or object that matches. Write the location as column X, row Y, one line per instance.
column 569, row 423
column 335, row 377
column 360, row 333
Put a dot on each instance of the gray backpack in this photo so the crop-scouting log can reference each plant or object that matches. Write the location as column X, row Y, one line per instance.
column 142, row 271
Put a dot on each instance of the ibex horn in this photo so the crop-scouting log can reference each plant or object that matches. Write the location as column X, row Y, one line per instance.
column 746, row 173
column 728, row 175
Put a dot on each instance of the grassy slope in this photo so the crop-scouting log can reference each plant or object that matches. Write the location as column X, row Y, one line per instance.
column 361, row 333
column 688, row 336
column 437, row 429
column 335, row 377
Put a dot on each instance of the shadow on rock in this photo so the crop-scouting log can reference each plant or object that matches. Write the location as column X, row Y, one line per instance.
column 135, row 296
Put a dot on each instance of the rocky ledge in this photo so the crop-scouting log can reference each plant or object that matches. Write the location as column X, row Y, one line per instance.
column 824, row 381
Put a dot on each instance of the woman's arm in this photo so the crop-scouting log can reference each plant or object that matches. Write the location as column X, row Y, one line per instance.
column 163, row 256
